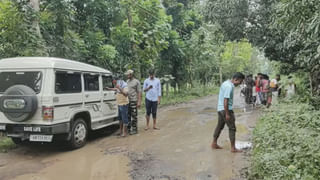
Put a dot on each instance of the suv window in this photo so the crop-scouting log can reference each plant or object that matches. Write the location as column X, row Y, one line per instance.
column 91, row 82
column 107, row 82
column 30, row 79
column 67, row 82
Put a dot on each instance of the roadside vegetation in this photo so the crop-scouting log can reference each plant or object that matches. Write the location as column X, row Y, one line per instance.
column 286, row 143
column 6, row 144
column 286, row 138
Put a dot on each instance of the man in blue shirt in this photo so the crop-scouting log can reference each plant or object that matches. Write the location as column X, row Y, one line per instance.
column 152, row 87
column 225, row 112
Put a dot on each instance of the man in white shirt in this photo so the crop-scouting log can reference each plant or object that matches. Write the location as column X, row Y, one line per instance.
column 152, row 87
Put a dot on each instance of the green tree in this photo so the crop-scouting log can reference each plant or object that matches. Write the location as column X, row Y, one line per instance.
column 17, row 34
column 236, row 58
column 230, row 15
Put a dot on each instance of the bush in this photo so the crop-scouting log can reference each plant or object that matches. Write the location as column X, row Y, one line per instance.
column 286, row 143
column 6, row 144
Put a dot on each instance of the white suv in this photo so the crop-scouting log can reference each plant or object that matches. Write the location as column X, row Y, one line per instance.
column 43, row 99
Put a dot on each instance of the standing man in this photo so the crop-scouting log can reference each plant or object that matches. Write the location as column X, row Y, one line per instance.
column 291, row 88
column 225, row 112
column 134, row 95
column 278, row 84
column 152, row 87
column 275, row 86
column 123, row 103
column 249, row 82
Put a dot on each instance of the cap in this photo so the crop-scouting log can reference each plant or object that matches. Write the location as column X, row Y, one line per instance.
column 129, row 72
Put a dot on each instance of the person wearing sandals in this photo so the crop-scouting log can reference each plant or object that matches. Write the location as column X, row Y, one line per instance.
column 123, row 104
column 152, row 88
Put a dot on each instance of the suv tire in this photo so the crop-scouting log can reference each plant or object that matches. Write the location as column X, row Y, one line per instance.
column 79, row 133
column 25, row 93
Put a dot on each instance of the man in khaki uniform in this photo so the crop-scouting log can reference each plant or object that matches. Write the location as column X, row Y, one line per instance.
column 134, row 94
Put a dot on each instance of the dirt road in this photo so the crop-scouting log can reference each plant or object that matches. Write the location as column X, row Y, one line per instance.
column 179, row 151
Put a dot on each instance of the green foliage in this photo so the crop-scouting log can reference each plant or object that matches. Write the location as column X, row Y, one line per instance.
column 203, row 50
column 6, row 144
column 171, row 36
column 236, row 58
column 289, row 33
column 230, row 14
column 189, row 94
column 16, row 35
column 290, row 17
column 286, row 143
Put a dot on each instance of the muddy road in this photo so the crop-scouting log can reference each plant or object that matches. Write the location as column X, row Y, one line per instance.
column 180, row 150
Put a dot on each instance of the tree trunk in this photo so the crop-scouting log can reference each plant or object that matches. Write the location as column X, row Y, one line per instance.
column 311, row 83
column 35, row 4
column 136, row 64
column 220, row 73
column 167, row 89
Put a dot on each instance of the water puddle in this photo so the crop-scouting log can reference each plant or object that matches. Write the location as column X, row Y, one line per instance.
column 243, row 144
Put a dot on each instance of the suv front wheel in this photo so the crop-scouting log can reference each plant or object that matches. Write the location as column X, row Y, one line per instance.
column 79, row 134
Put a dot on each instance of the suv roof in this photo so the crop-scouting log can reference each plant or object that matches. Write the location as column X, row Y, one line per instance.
column 47, row 62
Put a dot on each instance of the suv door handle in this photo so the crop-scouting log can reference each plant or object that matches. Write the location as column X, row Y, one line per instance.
column 105, row 94
column 87, row 95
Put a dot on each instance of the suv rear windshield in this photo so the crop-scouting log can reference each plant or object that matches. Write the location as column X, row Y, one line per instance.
column 30, row 79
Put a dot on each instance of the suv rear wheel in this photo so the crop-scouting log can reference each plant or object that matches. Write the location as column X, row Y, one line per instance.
column 79, row 134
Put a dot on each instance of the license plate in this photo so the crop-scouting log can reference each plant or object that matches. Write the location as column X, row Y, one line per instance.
column 41, row 138
column 3, row 127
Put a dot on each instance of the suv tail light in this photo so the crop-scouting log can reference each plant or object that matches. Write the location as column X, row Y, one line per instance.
column 47, row 113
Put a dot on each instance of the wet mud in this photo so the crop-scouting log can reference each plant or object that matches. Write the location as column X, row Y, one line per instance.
column 180, row 150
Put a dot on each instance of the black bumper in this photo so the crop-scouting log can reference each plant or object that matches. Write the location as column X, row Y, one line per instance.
column 61, row 128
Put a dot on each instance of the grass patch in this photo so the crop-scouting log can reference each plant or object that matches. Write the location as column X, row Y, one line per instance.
column 286, row 143
column 6, row 144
